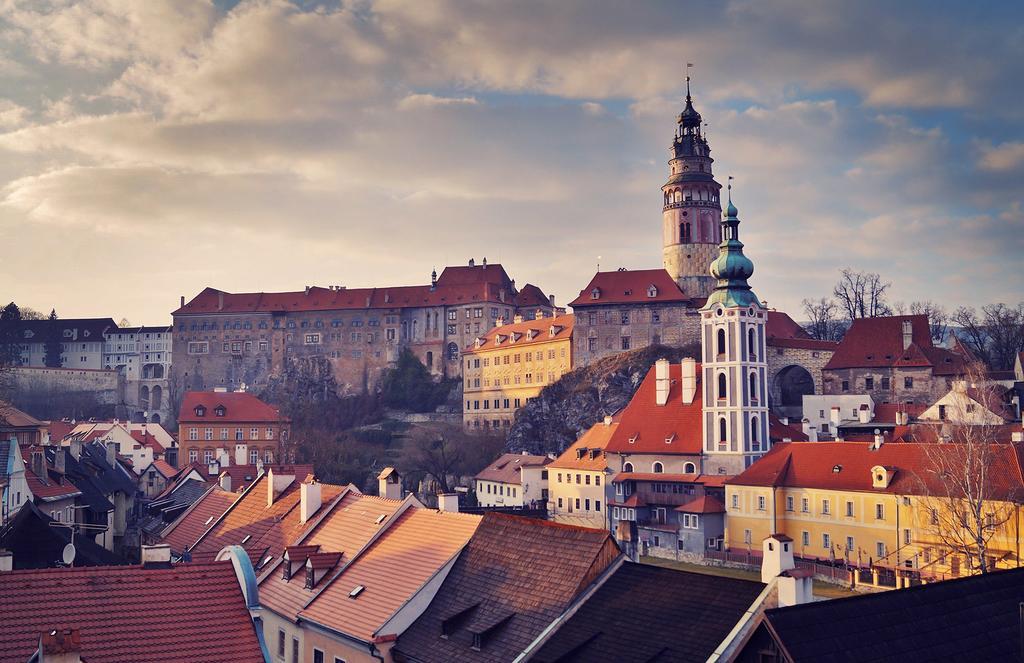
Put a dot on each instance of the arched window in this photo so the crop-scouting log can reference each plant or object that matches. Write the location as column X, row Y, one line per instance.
column 721, row 430
column 721, row 386
column 627, row 467
column 689, row 468
column 453, row 351
column 721, row 341
column 684, row 232
column 751, row 346
column 753, row 431
column 657, row 467
column 753, row 386
column 678, row 196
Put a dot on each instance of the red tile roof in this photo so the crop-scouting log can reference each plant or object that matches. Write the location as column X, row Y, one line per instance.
column 629, row 287
column 780, row 325
column 878, row 343
column 126, row 614
column 198, row 518
column 531, row 295
column 146, row 439
column 507, row 468
column 644, row 426
column 703, row 504
column 240, row 407
column 528, row 332
column 779, row 431
column 814, row 464
column 164, row 468
column 52, row 485
column 59, row 430
column 885, row 413
column 713, row 479
column 633, row 501
column 15, row 418
column 596, row 438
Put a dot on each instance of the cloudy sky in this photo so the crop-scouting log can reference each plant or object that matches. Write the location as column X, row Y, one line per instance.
column 149, row 149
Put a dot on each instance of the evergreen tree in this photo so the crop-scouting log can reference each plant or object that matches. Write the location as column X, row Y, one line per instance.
column 10, row 353
column 52, row 347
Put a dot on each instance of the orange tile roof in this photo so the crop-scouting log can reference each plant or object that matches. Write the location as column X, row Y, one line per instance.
column 878, row 342
column 519, row 334
column 649, row 425
column 703, row 504
column 508, row 467
column 195, row 520
column 125, row 614
column 391, row 571
column 630, row 286
column 238, row 407
column 347, row 527
column 596, row 437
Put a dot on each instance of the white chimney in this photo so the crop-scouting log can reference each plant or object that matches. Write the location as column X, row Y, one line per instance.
column 309, row 500
column 777, row 557
column 908, row 333
column 812, row 433
column 111, row 453
column 241, row 454
column 389, row 484
column 689, row 379
column 864, row 414
column 276, row 484
column 1017, row 436
column 225, row 481
column 224, row 458
column 158, row 554
column 448, row 502
column 834, row 418
column 6, row 561
column 879, row 439
column 607, row 420
column 661, row 382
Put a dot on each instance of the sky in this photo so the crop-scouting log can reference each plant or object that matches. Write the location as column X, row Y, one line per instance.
column 151, row 149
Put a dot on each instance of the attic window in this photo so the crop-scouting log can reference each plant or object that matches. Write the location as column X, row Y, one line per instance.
column 836, row 469
column 219, row 410
column 652, row 291
column 246, row 539
column 628, row 291
column 670, row 439
column 581, row 452
column 200, row 411
column 594, row 453
column 595, row 293
column 356, row 591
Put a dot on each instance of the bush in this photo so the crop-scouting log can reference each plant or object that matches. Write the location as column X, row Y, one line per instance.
column 409, row 386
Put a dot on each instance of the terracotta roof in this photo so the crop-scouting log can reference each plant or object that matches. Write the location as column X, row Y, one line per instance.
column 127, row 614
column 15, row 418
column 886, row 412
column 631, row 501
column 815, row 465
column 506, row 469
column 390, row 571
column 52, row 485
column 780, row 325
column 703, row 504
column 147, row 440
column 629, row 286
column 779, row 431
column 528, row 333
column 164, row 468
column 665, row 477
column 198, row 518
column 596, row 438
column 238, row 407
column 531, row 295
column 648, row 613
column 878, row 343
column 59, row 430
column 242, row 476
column 673, row 428
column 544, row 567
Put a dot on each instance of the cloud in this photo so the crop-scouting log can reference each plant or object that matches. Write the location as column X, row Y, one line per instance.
column 1002, row 157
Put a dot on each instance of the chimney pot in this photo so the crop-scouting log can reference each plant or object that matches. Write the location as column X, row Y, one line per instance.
column 6, row 561
column 661, row 382
column 310, row 500
column 448, row 502
column 225, row 482
column 158, row 556
column 689, row 379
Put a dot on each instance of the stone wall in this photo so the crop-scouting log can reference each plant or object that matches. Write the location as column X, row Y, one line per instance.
column 924, row 390
column 55, row 393
column 602, row 328
column 781, row 358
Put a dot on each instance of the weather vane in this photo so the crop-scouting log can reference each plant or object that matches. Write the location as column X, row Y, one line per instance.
column 730, row 188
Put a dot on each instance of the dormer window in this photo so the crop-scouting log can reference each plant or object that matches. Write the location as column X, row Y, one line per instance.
column 595, row 293
column 652, row 291
column 200, row 411
column 219, row 410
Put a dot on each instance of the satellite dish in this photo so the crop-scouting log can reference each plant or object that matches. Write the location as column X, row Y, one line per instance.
column 69, row 554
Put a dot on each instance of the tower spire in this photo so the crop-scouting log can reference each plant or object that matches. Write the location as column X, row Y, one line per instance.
column 731, row 268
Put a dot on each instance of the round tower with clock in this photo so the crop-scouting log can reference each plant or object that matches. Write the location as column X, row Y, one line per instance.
column 691, row 227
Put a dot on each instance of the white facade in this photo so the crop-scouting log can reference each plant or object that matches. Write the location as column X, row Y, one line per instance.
column 143, row 356
column 15, row 492
column 735, row 387
column 824, row 413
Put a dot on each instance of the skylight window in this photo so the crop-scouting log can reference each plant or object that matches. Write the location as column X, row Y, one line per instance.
column 380, row 519
column 356, row 591
column 208, row 520
column 246, row 539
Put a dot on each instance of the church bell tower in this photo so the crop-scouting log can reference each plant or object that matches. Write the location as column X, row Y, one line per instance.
column 691, row 229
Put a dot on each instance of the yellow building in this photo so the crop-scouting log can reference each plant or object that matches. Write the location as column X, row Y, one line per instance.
column 867, row 505
column 578, row 480
column 509, row 365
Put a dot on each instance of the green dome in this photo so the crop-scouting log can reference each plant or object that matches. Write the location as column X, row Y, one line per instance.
column 731, row 210
column 731, row 268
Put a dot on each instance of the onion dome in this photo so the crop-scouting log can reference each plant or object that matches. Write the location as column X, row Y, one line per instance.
column 731, row 268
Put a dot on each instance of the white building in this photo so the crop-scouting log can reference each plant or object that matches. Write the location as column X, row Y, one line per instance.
column 513, row 480
column 824, row 414
column 143, row 356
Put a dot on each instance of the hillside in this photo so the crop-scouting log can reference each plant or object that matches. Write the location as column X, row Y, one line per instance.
column 566, row 408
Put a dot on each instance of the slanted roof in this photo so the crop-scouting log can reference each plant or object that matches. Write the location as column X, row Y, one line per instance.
column 878, row 343
column 630, row 287
column 199, row 517
column 12, row 417
column 239, row 406
column 542, row 567
column 594, row 442
column 126, row 614
column 967, row 619
column 644, row 426
column 703, row 504
column 527, row 332
column 508, row 468
column 415, row 547
column 34, row 543
column 650, row 613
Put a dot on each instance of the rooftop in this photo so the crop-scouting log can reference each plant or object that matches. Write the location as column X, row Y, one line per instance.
column 238, row 406
column 587, row 453
column 878, row 343
column 528, row 332
column 508, row 468
column 635, row 286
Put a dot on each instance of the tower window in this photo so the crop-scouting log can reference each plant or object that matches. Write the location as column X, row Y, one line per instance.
column 684, row 233
column 721, row 431
column 721, row 386
column 751, row 344
column 755, row 443
column 753, row 386
column 721, row 341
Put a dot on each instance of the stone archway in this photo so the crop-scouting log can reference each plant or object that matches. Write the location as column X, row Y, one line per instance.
column 790, row 385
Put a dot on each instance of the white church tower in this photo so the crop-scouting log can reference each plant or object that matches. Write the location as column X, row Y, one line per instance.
column 735, row 364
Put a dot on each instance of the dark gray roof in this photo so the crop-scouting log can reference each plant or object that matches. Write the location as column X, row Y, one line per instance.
column 35, row 544
column 650, row 613
column 967, row 619
column 78, row 329
column 162, row 511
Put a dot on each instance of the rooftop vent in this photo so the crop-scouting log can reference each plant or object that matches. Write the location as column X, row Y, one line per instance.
column 356, row 591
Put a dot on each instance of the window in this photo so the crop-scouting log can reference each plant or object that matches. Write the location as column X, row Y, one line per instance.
column 805, row 538
column 597, row 506
column 625, row 343
column 193, row 433
column 849, row 544
column 312, row 339
column 869, row 383
column 722, row 387
column 849, row 509
column 223, row 433
column 624, row 317
column 208, row 456
column 280, row 643
column 746, row 536
column 689, row 468
column 907, row 538
column 208, row 434
column 627, row 467
column 721, row 342
column 880, row 549
column 908, row 383
column 846, row 385
column 879, row 512
column 254, row 433
column 885, row 383
column 193, row 455
column 789, row 502
column 295, row 650
column 735, row 501
column 825, row 507
column 198, row 348
column 318, row 656
column 761, row 502
column 270, row 433
column 826, row 541
column 254, row 456
column 657, row 468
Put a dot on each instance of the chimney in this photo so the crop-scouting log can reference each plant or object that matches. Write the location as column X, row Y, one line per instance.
column 171, row 456
column 689, row 379
column 60, row 646
column 834, row 418
column 448, row 502
column 183, row 300
column 59, row 460
column 1017, row 436
column 156, row 557
column 111, row 453
column 472, row 263
column 433, row 280
column 793, row 586
column 389, row 484
column 661, row 382
column 908, row 333
column 76, row 448
column 607, row 420
column 812, row 434
column 241, row 454
column 220, row 301
column 39, row 464
column 485, row 262
column 276, row 484
column 517, row 318
column 551, row 301
column 6, row 561
column 864, row 413
column 225, row 481
column 879, row 440
column 224, row 458
column 309, row 500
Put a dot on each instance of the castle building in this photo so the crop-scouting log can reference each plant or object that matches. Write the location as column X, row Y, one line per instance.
column 735, row 365
column 226, row 340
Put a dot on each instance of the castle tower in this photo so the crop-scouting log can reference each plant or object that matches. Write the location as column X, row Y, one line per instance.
column 692, row 212
column 735, row 365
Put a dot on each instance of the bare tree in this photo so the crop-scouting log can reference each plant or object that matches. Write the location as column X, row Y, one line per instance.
column 435, row 454
column 967, row 489
column 823, row 319
column 996, row 336
column 861, row 294
column 938, row 317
